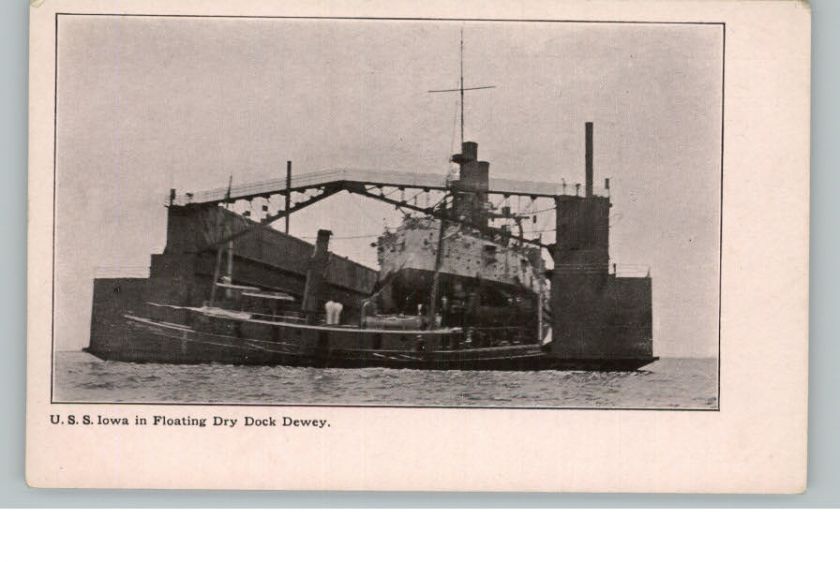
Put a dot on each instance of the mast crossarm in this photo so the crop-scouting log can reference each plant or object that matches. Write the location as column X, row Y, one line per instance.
column 464, row 89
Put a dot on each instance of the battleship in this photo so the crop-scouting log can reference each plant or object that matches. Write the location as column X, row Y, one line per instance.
column 460, row 284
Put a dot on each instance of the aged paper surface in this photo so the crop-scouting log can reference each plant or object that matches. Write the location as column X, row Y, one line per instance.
column 627, row 314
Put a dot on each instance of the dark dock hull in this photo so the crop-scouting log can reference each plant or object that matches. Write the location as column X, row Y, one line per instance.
column 153, row 342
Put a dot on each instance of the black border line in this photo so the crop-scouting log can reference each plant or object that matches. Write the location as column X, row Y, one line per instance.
column 391, row 406
column 720, row 236
column 378, row 18
column 54, row 211
column 379, row 406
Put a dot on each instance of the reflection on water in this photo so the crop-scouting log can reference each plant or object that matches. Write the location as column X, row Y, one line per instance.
column 668, row 383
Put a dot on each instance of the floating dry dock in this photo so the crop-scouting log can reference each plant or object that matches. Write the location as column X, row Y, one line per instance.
column 459, row 285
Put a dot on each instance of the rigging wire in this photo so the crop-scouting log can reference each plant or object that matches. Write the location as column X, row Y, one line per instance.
column 538, row 211
column 452, row 146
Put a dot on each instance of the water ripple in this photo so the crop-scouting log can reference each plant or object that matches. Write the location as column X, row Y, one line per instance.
column 668, row 383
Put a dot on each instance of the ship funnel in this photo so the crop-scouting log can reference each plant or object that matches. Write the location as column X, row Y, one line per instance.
column 469, row 150
column 589, row 159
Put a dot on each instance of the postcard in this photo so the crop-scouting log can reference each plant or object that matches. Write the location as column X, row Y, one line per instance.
column 386, row 246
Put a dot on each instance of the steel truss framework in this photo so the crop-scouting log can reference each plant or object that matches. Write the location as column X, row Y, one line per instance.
column 408, row 193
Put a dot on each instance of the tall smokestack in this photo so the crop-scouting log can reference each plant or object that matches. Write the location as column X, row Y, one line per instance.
column 589, row 158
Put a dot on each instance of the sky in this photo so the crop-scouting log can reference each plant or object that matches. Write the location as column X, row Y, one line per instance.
column 146, row 104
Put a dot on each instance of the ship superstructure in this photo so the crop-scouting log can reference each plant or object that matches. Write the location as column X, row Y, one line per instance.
column 481, row 275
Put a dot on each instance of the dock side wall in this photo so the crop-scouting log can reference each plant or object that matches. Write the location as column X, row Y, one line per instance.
column 594, row 313
column 193, row 229
column 264, row 258
column 112, row 300
column 601, row 316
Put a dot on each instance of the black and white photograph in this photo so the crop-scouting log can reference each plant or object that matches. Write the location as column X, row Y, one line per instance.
column 423, row 213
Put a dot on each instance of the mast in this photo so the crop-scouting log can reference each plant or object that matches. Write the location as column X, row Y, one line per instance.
column 461, row 89
column 540, row 284
column 438, row 265
column 442, row 231
column 462, row 86
column 229, row 264
column 218, row 267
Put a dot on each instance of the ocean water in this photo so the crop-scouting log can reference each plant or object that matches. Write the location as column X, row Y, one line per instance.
column 670, row 383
